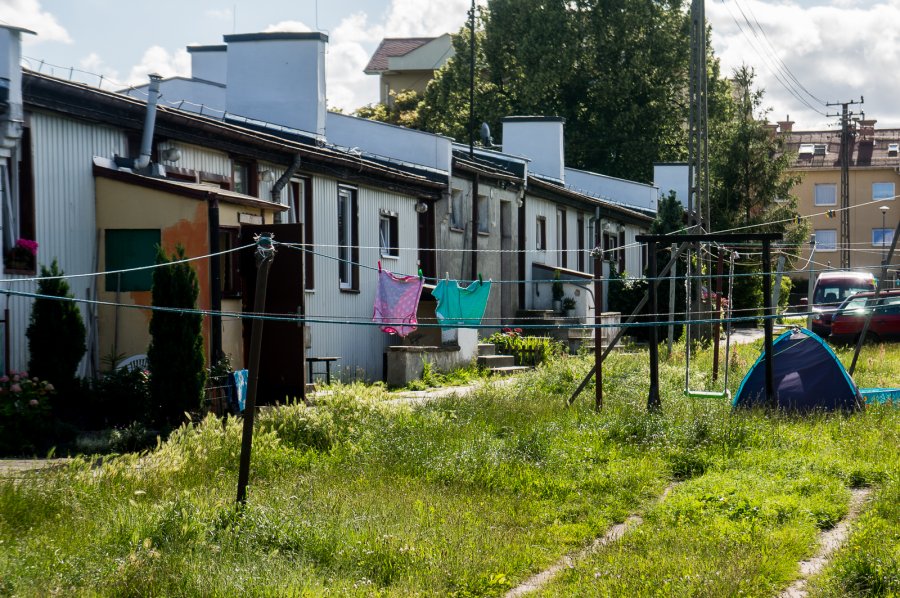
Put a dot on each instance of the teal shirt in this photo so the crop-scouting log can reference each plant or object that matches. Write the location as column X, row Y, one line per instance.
column 461, row 307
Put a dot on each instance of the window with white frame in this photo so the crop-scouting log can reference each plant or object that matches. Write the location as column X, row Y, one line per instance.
column 348, row 244
column 826, row 194
column 388, row 233
column 456, row 212
column 540, row 235
column 882, row 237
column 881, row 191
column 484, row 214
column 826, row 239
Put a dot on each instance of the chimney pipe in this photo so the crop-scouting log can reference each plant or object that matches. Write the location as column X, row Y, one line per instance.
column 149, row 124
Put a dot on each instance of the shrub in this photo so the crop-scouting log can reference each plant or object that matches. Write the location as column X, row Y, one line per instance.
column 176, row 349
column 528, row 350
column 119, row 398
column 55, row 332
column 25, row 422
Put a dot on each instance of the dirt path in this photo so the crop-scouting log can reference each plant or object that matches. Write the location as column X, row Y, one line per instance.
column 829, row 541
column 613, row 534
column 15, row 466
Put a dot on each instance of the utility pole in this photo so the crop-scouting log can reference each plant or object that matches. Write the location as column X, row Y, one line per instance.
column 472, row 82
column 847, row 138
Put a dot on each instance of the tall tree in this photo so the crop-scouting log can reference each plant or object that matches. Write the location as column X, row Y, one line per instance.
column 177, row 368
column 616, row 70
column 751, row 181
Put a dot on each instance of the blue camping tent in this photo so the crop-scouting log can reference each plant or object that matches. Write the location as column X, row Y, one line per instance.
column 807, row 374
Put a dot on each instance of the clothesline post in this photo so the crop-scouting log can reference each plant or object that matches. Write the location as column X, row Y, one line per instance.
column 265, row 254
column 598, row 332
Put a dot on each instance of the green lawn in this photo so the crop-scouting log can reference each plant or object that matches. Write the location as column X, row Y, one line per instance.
column 471, row 496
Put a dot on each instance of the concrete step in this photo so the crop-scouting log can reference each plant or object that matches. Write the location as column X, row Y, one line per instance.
column 487, row 349
column 496, row 361
column 509, row 370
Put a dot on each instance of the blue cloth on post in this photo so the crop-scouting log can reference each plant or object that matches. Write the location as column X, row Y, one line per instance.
column 461, row 307
column 237, row 398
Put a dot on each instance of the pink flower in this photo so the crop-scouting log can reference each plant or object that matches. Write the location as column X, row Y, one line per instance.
column 23, row 374
column 28, row 244
column 4, row 379
column 33, row 402
column 16, row 378
column 49, row 387
column 15, row 388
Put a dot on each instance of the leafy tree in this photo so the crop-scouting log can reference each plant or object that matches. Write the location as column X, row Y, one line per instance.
column 403, row 110
column 750, row 182
column 669, row 216
column 616, row 70
column 56, row 336
column 177, row 368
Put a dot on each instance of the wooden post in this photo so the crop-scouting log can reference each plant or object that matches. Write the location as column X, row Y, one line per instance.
column 717, row 327
column 265, row 255
column 598, row 332
column 672, row 303
column 653, row 402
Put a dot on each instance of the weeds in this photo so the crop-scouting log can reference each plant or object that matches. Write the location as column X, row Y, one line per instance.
column 469, row 496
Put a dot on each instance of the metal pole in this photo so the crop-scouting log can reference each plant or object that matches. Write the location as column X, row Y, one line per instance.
column 265, row 255
column 884, row 271
column 811, row 282
column 215, row 283
column 672, row 303
column 598, row 332
column 653, row 402
column 472, row 83
column 771, row 399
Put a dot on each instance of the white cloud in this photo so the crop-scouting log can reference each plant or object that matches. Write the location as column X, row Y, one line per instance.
column 288, row 26
column 353, row 41
column 157, row 59
column 838, row 52
column 108, row 78
column 30, row 15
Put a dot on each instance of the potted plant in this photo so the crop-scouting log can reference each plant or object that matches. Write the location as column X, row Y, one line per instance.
column 568, row 305
column 22, row 256
column 557, row 289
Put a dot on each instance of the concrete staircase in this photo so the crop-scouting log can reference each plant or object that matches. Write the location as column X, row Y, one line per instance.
column 497, row 364
column 574, row 338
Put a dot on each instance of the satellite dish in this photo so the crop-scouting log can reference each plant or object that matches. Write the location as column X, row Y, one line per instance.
column 486, row 139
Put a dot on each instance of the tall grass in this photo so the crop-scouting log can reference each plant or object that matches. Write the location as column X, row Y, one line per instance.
column 468, row 496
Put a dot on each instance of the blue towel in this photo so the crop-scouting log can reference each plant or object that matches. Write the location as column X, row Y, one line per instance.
column 237, row 396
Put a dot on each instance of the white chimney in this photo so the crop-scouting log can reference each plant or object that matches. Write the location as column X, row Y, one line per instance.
column 278, row 77
column 12, row 113
column 541, row 140
column 209, row 63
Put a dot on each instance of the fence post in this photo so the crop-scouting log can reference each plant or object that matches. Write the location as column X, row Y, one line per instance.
column 598, row 332
column 265, row 253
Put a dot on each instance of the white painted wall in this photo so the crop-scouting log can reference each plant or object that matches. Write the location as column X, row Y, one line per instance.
column 620, row 191
column 278, row 77
column 399, row 143
column 540, row 139
column 209, row 63
column 672, row 177
column 361, row 347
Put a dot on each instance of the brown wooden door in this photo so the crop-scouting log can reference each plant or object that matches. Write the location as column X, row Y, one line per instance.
column 282, row 355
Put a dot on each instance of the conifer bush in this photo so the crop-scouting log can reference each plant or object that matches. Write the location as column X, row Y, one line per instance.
column 177, row 364
column 56, row 336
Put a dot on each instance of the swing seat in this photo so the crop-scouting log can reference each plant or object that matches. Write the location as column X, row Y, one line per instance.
column 708, row 394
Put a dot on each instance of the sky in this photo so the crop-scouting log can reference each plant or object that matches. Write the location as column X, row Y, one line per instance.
column 806, row 53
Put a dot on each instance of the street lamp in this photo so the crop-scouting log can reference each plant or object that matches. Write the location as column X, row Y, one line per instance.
column 884, row 211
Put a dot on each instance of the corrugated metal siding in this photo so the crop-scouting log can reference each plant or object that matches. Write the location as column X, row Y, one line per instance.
column 63, row 151
column 361, row 347
column 203, row 160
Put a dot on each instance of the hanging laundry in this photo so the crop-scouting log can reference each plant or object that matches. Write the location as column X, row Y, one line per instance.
column 237, row 391
column 461, row 307
column 396, row 302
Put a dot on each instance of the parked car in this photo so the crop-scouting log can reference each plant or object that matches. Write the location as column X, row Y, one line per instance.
column 847, row 322
column 833, row 288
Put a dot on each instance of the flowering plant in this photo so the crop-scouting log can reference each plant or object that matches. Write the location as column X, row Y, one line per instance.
column 24, row 411
column 29, row 245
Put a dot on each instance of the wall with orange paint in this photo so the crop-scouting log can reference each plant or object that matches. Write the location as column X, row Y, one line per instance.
column 181, row 220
